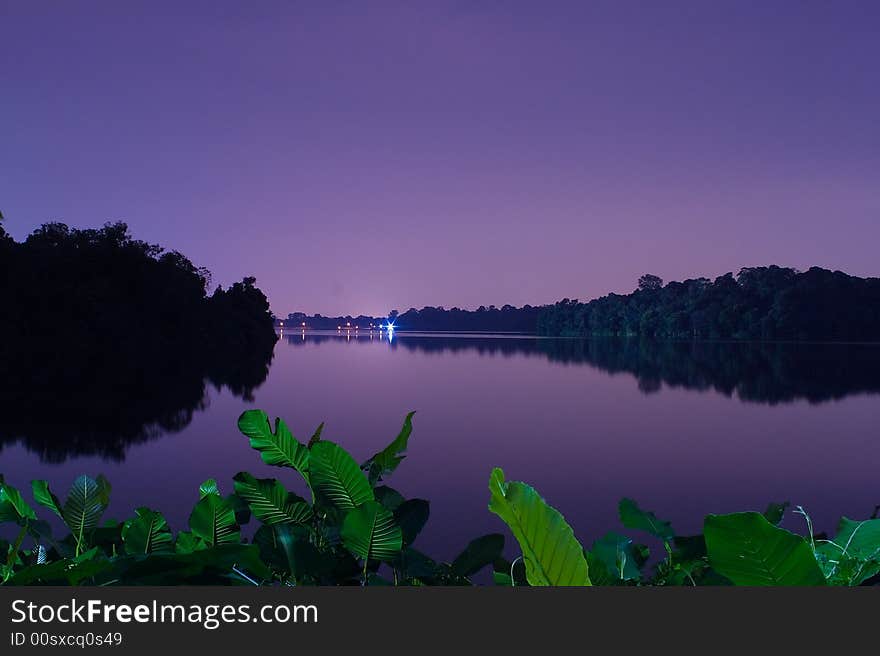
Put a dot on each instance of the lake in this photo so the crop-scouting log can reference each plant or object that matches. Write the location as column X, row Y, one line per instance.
column 684, row 428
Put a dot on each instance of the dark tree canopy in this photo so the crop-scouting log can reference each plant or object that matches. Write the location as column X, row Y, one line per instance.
column 108, row 339
column 491, row 319
column 759, row 303
column 650, row 282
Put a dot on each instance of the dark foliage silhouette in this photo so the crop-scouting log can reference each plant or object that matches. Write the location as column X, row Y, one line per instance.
column 95, row 314
column 762, row 303
column 483, row 319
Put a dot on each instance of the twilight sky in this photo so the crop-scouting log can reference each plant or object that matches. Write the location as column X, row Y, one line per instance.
column 363, row 156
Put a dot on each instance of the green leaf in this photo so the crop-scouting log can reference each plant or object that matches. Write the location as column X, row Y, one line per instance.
column 279, row 447
column 552, row 554
column 187, row 543
column 208, row 487
column 388, row 497
column 316, row 436
column 749, row 550
column 413, row 564
column 631, row 516
column 479, row 553
column 203, row 567
column 857, row 538
column 86, row 502
column 387, row 460
column 617, row 555
column 147, row 533
column 13, row 507
column 853, row 556
column 775, row 512
column 411, row 516
column 270, row 502
column 336, row 477
column 44, row 496
column 509, row 574
column 70, row 571
column 369, row 532
column 213, row 520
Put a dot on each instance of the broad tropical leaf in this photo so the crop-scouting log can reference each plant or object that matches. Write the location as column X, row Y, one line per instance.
column 147, row 533
column 213, row 520
column 187, row 543
column 13, row 507
column 853, row 556
column 208, row 487
column 411, row 516
column 775, row 512
column 388, row 497
column 316, row 436
column 270, row 502
column 202, row 567
column 369, row 532
column 44, row 496
column 552, row 554
column 70, row 571
column 749, row 550
column 387, row 460
column 336, row 477
column 86, row 502
column 631, row 516
column 478, row 554
column 278, row 447
column 617, row 555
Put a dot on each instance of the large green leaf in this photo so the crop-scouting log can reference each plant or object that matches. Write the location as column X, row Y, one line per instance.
column 776, row 511
column 387, row 460
column 616, row 554
column 208, row 487
column 278, row 447
column 316, row 436
column 186, row 543
column 479, row 553
column 336, row 477
column 86, row 502
column 411, row 516
column 854, row 554
column 370, row 532
column 147, row 533
column 69, row 571
column 13, row 507
column 388, row 497
column 213, row 520
column 552, row 554
column 270, row 502
column 213, row 566
column 631, row 516
column 44, row 496
column 749, row 550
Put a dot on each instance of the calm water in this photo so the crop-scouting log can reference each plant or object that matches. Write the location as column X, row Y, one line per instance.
column 685, row 429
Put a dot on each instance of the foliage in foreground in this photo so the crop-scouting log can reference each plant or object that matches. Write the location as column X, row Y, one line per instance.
column 356, row 530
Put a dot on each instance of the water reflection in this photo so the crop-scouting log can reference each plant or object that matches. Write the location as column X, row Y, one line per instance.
column 753, row 372
column 75, row 407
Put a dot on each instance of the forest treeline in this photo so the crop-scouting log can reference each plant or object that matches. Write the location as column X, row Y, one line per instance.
column 483, row 319
column 759, row 303
column 97, row 319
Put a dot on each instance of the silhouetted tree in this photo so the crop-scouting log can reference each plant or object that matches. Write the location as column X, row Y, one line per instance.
column 105, row 339
column 650, row 282
column 766, row 303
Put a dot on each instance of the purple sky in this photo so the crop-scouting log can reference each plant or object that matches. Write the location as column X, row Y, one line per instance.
column 358, row 157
